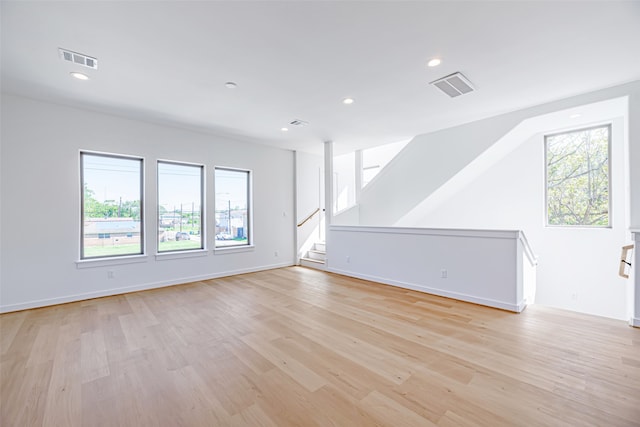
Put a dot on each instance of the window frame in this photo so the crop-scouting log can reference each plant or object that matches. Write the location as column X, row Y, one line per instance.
column 142, row 202
column 249, row 232
column 609, row 225
column 202, row 206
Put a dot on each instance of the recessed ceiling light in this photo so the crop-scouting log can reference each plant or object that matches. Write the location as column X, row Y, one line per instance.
column 284, row 129
column 575, row 116
column 434, row 62
column 231, row 85
column 348, row 101
column 79, row 76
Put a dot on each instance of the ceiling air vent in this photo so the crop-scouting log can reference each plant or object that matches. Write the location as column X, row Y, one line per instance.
column 453, row 85
column 78, row 58
column 298, row 123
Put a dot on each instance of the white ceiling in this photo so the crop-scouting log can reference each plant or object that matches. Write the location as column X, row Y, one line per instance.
column 168, row 61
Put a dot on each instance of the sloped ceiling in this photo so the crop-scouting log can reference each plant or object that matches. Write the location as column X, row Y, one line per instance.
column 169, row 61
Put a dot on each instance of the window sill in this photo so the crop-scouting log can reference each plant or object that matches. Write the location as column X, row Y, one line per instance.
column 105, row 262
column 180, row 255
column 579, row 227
column 233, row 249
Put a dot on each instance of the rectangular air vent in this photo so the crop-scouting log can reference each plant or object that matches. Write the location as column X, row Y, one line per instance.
column 453, row 85
column 78, row 58
column 298, row 123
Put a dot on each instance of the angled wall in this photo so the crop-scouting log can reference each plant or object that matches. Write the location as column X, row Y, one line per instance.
column 425, row 164
column 431, row 160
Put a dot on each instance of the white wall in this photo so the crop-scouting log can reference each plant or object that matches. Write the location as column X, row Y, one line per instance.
column 375, row 159
column 634, row 158
column 344, row 181
column 349, row 216
column 41, row 208
column 419, row 169
column 481, row 265
column 577, row 267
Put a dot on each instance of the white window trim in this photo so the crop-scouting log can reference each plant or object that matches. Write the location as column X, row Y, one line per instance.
column 185, row 253
column 203, row 213
column 233, row 249
column 109, row 261
column 143, row 246
column 608, row 125
column 250, row 244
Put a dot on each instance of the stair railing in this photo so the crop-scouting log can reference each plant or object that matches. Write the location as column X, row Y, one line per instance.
column 623, row 261
column 301, row 223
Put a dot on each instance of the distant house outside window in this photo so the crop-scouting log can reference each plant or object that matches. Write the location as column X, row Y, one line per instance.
column 578, row 184
column 233, row 207
column 111, row 204
column 180, row 206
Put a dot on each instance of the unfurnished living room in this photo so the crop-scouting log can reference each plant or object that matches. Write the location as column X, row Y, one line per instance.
column 320, row 213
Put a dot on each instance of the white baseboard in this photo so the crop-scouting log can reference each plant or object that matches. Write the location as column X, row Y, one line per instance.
column 521, row 306
column 517, row 308
column 142, row 287
column 635, row 322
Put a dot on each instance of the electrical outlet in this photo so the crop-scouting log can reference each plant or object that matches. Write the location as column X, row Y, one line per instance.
column 348, row 259
column 574, row 296
column 110, row 274
column 443, row 274
column 275, row 254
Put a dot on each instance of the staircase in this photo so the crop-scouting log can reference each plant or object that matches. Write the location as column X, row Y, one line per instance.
column 315, row 257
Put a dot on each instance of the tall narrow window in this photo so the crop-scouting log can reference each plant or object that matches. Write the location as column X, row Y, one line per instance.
column 578, row 177
column 180, row 205
column 233, row 214
column 112, row 215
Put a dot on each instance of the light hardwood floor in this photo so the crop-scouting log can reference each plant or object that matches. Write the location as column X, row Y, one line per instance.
column 299, row 347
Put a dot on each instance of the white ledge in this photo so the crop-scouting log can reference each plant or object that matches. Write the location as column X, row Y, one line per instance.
column 496, row 234
column 105, row 262
column 233, row 249
column 162, row 256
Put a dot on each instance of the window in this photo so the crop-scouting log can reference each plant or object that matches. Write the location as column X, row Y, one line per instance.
column 233, row 198
column 180, row 205
column 578, row 177
column 112, row 215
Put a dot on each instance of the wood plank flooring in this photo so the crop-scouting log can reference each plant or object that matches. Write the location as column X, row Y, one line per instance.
column 299, row 347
